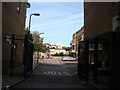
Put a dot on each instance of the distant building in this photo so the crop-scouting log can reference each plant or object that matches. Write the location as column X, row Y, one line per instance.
column 77, row 37
column 73, row 46
column 53, row 46
column 57, row 49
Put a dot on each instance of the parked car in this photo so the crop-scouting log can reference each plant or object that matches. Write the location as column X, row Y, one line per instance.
column 68, row 58
column 49, row 56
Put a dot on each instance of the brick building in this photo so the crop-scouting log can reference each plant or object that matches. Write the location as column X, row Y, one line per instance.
column 101, row 31
column 73, row 46
column 13, row 24
column 77, row 37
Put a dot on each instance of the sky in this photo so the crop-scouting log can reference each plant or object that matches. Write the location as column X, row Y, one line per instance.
column 58, row 20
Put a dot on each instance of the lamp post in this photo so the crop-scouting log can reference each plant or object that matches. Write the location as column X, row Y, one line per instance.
column 38, row 50
column 28, row 49
column 35, row 14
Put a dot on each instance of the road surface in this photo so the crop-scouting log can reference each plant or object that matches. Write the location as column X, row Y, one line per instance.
column 55, row 73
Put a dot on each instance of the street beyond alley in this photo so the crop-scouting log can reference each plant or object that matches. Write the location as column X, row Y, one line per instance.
column 55, row 73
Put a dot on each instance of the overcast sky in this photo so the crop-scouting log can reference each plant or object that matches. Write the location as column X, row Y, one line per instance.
column 58, row 20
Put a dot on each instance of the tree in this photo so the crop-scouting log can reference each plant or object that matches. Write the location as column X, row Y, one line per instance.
column 38, row 42
column 36, row 37
column 27, row 32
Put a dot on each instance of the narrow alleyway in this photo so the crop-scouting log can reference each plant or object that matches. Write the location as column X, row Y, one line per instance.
column 54, row 73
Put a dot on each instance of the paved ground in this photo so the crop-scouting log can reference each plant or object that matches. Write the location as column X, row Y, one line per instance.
column 54, row 73
column 17, row 76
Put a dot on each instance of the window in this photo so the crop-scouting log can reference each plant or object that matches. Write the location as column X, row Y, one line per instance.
column 73, row 47
column 18, row 6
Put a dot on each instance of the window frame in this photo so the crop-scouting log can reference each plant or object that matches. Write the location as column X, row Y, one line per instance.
column 18, row 6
